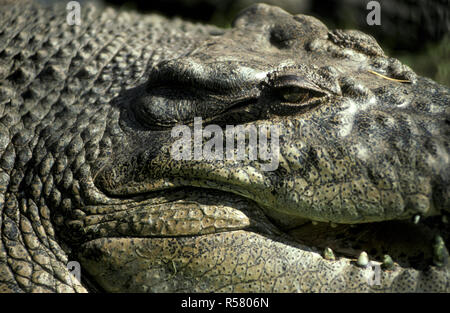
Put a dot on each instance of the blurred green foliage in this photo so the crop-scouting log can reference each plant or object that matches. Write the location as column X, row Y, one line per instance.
column 433, row 61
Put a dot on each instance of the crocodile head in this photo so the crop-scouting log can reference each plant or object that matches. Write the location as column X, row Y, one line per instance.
column 342, row 148
column 357, row 140
column 361, row 138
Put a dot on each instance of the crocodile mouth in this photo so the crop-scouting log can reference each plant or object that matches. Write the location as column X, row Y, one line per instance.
column 156, row 241
column 410, row 244
column 188, row 211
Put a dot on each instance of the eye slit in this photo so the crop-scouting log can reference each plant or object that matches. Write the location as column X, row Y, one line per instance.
column 296, row 94
column 295, row 89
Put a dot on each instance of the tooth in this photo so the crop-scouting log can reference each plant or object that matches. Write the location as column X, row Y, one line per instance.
column 333, row 225
column 314, row 223
column 416, row 219
column 363, row 259
column 387, row 262
column 444, row 219
column 328, row 254
column 440, row 253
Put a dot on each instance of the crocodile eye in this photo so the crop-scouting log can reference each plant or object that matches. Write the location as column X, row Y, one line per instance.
column 297, row 95
column 296, row 89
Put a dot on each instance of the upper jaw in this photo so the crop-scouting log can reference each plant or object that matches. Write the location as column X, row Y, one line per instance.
column 372, row 159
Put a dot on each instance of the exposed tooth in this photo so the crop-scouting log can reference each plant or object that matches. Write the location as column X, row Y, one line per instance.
column 387, row 262
column 416, row 219
column 363, row 259
column 333, row 225
column 314, row 223
column 328, row 254
column 444, row 219
column 440, row 253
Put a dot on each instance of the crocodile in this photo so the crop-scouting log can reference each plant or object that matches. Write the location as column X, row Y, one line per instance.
column 358, row 202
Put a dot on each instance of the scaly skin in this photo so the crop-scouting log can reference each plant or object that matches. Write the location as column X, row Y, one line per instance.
column 86, row 174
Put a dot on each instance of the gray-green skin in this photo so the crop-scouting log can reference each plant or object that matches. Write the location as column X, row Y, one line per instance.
column 86, row 173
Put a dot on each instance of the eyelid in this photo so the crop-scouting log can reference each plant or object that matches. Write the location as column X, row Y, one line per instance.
column 162, row 107
column 295, row 89
column 221, row 78
column 294, row 81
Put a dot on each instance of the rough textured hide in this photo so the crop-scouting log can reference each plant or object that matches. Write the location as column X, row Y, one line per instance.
column 86, row 172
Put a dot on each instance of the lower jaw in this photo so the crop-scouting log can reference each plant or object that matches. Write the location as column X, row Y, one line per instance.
column 210, row 263
column 409, row 244
column 240, row 261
